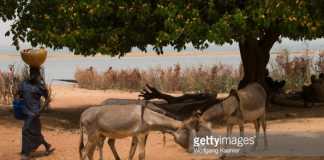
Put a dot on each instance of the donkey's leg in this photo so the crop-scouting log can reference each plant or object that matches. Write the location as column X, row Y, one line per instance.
column 100, row 145
column 145, row 139
column 111, row 143
column 229, row 130
column 241, row 126
column 141, row 143
column 257, row 133
column 90, row 147
column 228, row 134
column 264, row 127
column 133, row 148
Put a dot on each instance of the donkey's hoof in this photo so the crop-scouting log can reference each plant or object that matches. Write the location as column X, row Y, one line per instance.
column 222, row 157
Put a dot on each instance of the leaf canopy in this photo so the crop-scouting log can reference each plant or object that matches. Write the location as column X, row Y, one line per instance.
column 109, row 27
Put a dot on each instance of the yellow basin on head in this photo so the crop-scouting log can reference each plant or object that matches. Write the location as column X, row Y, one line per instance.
column 34, row 57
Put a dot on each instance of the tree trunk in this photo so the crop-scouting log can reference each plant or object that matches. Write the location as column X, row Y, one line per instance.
column 255, row 55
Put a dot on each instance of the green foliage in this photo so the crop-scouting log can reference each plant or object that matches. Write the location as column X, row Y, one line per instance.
column 115, row 27
column 7, row 9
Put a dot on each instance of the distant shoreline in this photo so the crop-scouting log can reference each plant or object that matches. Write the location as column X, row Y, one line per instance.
column 10, row 56
column 133, row 54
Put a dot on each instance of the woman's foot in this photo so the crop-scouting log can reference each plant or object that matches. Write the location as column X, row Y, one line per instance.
column 24, row 157
column 49, row 149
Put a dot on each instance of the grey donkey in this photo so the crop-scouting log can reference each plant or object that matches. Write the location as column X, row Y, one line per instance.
column 245, row 105
column 86, row 120
column 119, row 121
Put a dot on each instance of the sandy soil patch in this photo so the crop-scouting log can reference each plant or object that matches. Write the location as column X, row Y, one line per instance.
column 289, row 136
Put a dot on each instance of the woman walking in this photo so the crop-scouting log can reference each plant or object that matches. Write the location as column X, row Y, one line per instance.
column 31, row 91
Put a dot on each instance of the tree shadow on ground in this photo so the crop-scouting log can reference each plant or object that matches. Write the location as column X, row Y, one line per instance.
column 39, row 154
column 68, row 118
column 59, row 118
column 276, row 112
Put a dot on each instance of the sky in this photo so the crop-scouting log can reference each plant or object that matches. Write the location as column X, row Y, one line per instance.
column 318, row 44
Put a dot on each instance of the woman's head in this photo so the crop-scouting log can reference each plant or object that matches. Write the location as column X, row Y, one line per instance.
column 34, row 75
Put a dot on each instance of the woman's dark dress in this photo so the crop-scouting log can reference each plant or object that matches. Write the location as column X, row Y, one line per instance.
column 31, row 131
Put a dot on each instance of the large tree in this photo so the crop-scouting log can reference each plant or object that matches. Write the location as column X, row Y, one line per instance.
column 7, row 9
column 109, row 27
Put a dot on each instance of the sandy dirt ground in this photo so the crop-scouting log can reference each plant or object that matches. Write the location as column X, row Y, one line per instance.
column 290, row 137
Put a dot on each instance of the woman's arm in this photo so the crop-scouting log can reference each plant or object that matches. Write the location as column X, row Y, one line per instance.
column 28, row 112
column 45, row 93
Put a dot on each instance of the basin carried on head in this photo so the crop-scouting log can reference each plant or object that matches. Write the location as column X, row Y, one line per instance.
column 34, row 57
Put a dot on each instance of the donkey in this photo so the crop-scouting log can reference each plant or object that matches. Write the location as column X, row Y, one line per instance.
column 87, row 119
column 245, row 105
column 119, row 121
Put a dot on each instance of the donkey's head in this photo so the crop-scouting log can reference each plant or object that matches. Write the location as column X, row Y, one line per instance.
column 192, row 127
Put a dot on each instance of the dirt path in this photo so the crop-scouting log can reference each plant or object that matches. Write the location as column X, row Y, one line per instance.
column 288, row 136
column 300, row 137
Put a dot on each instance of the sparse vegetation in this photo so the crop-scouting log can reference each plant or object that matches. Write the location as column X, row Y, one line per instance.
column 220, row 78
column 9, row 82
column 295, row 70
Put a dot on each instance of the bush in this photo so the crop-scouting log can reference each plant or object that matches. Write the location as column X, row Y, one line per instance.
column 295, row 70
column 218, row 78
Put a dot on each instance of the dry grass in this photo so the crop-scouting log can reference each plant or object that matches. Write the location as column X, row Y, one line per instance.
column 9, row 84
column 295, row 70
column 196, row 79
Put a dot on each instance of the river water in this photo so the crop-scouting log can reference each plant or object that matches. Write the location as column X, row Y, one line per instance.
column 64, row 68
